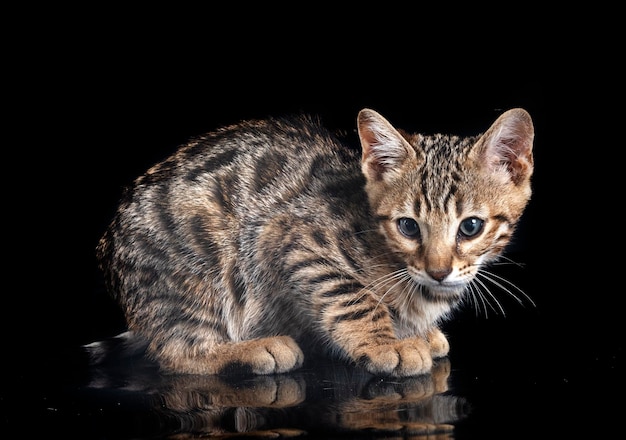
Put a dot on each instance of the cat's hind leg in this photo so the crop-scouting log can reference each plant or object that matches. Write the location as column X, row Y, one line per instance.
column 278, row 354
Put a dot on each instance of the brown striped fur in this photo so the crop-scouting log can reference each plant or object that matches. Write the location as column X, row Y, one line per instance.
column 268, row 238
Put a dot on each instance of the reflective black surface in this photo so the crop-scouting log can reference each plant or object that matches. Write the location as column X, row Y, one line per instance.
column 322, row 400
column 97, row 116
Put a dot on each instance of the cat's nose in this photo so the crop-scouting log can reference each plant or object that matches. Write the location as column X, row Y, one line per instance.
column 439, row 274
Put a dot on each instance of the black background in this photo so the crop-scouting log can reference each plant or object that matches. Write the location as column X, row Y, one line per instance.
column 95, row 102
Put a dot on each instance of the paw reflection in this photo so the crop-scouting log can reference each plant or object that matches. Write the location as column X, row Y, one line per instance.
column 410, row 406
column 324, row 400
column 182, row 393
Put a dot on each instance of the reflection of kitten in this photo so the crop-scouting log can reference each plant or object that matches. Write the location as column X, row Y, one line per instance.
column 253, row 240
column 331, row 400
column 289, row 404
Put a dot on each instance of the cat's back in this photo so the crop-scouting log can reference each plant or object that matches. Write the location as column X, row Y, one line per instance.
column 258, row 150
column 210, row 199
column 250, row 169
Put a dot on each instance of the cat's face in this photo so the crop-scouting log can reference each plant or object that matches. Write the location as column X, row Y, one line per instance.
column 445, row 236
column 447, row 205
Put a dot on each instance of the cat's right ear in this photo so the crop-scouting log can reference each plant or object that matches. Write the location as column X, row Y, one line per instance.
column 385, row 151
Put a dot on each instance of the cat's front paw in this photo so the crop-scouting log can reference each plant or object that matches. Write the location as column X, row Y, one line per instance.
column 439, row 346
column 405, row 357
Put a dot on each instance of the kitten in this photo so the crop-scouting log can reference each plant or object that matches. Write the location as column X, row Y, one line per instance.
column 266, row 239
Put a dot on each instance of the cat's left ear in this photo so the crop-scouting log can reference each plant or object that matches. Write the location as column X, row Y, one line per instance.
column 506, row 147
column 385, row 150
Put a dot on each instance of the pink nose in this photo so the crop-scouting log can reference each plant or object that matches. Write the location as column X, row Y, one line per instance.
column 439, row 274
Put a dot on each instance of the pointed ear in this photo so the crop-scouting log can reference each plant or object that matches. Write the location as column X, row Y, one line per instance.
column 385, row 151
column 506, row 147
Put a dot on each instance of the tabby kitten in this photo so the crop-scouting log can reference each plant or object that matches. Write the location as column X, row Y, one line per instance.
column 266, row 239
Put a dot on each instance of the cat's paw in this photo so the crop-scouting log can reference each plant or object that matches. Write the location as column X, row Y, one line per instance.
column 278, row 354
column 406, row 357
column 439, row 346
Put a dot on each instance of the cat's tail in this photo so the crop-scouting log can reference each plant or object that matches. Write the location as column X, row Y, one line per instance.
column 125, row 346
column 119, row 362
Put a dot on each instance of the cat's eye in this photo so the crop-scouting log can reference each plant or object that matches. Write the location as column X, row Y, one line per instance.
column 409, row 227
column 471, row 226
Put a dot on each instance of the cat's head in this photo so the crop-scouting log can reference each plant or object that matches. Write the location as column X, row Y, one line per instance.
column 447, row 205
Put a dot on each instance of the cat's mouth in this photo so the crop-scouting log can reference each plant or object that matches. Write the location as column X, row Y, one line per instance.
column 443, row 292
column 448, row 291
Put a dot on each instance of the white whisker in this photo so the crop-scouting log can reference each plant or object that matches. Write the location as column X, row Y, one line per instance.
column 474, row 297
column 507, row 262
column 364, row 231
column 375, row 285
column 401, row 276
column 486, row 290
column 502, row 283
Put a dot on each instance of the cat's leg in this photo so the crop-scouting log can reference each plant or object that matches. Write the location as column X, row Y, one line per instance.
column 396, row 357
column 192, row 327
column 269, row 355
column 364, row 331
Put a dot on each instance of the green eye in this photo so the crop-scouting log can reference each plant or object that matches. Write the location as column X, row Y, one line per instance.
column 471, row 226
column 409, row 227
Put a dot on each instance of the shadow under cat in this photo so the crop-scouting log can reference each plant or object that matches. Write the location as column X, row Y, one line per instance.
column 131, row 399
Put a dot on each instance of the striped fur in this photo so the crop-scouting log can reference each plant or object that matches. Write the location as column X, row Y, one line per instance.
column 263, row 240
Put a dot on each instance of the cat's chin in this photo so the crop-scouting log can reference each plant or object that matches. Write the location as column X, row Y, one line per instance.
column 449, row 294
